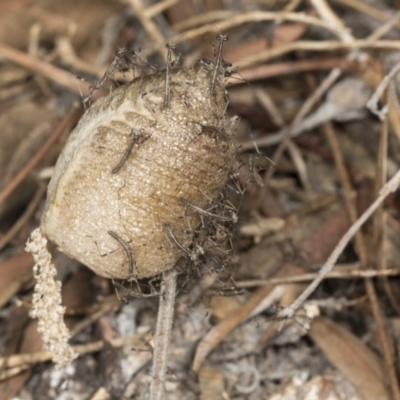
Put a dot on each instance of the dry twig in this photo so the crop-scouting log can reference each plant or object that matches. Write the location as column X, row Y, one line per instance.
column 163, row 332
column 67, row 122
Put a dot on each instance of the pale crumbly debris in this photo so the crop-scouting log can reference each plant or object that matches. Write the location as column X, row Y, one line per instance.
column 46, row 302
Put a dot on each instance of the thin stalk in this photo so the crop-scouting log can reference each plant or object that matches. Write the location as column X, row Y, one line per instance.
column 163, row 333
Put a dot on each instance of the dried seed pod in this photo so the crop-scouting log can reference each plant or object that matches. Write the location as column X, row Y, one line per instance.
column 117, row 184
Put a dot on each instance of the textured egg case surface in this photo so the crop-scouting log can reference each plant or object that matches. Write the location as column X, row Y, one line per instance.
column 184, row 151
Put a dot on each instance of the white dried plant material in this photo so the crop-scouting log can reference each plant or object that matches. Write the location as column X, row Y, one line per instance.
column 262, row 226
column 183, row 151
column 46, row 302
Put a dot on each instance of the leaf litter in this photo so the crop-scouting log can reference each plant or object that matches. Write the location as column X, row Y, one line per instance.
column 226, row 341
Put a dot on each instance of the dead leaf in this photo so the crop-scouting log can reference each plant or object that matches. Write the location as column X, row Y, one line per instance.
column 13, row 274
column 351, row 357
column 211, row 383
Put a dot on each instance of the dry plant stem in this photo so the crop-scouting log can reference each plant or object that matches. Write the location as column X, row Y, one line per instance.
column 256, row 16
column 304, row 110
column 364, row 258
column 268, row 54
column 201, row 19
column 352, row 274
column 57, row 75
column 367, row 9
column 373, row 101
column 269, row 105
column 379, row 222
column 326, row 14
column 292, row 5
column 17, row 360
column 217, row 333
column 279, row 69
column 309, row 45
column 163, row 332
column 23, row 218
column 388, row 188
column 300, row 166
column 158, row 8
column 315, row 97
column 9, row 373
column 73, row 115
column 149, row 26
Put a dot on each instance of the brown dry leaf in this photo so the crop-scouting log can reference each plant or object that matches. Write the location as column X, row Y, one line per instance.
column 317, row 247
column 211, row 383
column 351, row 357
column 315, row 233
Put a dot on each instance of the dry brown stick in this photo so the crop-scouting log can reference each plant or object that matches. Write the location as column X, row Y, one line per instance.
column 150, row 27
column 256, row 16
column 374, row 100
column 292, row 5
column 327, row 15
column 69, row 119
column 163, row 332
column 310, row 45
column 57, row 75
column 365, row 8
column 315, row 97
column 304, row 110
column 41, row 356
column 352, row 274
column 364, row 257
column 201, row 19
column 293, row 67
column 379, row 218
column 9, row 373
column 388, row 188
column 217, row 333
column 158, row 8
